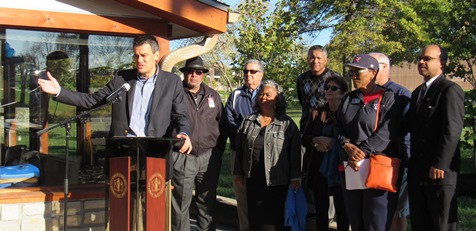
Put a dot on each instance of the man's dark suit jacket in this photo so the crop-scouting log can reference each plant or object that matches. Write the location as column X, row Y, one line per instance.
column 167, row 106
column 435, row 132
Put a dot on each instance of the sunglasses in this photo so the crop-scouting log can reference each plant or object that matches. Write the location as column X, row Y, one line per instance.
column 352, row 72
column 197, row 72
column 426, row 58
column 250, row 71
column 333, row 88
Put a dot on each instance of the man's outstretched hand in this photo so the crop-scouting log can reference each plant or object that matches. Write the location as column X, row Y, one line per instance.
column 50, row 85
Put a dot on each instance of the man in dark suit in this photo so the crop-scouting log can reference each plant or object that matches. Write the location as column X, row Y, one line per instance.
column 155, row 100
column 436, row 121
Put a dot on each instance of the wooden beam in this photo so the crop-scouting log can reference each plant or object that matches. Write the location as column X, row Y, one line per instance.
column 71, row 22
column 187, row 13
column 164, row 46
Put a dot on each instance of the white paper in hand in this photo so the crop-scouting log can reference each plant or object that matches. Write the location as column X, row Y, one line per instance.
column 356, row 180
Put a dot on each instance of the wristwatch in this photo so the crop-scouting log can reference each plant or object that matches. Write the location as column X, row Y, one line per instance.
column 344, row 142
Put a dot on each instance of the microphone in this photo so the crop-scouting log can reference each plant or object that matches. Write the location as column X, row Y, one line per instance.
column 117, row 93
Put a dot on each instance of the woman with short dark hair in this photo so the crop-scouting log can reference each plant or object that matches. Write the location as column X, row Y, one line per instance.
column 322, row 174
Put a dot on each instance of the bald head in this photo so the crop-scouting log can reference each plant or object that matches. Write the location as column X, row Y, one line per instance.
column 432, row 61
column 384, row 68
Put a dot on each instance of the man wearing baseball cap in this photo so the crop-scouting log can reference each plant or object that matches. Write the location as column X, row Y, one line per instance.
column 361, row 133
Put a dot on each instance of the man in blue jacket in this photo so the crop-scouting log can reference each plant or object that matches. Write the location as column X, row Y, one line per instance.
column 402, row 207
column 238, row 106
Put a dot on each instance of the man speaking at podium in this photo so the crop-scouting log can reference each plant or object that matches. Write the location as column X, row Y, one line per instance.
column 154, row 102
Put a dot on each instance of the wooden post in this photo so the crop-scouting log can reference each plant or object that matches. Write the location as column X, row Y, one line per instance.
column 155, row 191
column 119, row 194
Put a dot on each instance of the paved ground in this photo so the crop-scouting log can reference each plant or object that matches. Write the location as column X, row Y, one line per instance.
column 219, row 227
column 226, row 207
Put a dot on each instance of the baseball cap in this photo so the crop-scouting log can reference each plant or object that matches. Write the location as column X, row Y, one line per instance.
column 363, row 61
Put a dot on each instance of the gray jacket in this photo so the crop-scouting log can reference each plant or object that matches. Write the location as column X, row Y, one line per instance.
column 282, row 149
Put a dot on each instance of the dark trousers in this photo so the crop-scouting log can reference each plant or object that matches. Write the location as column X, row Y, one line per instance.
column 321, row 191
column 265, row 203
column 432, row 207
column 368, row 209
column 201, row 171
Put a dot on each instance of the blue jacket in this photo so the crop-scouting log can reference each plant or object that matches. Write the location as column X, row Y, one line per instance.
column 295, row 210
column 404, row 139
column 238, row 106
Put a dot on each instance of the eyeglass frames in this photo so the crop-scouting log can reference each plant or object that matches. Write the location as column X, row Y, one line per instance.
column 353, row 72
column 245, row 71
column 332, row 88
column 426, row 58
column 197, row 72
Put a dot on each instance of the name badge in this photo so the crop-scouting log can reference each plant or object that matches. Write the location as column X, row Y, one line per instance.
column 211, row 103
column 355, row 101
column 375, row 106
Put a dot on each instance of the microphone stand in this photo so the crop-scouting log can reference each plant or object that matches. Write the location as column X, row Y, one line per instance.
column 2, row 106
column 67, row 125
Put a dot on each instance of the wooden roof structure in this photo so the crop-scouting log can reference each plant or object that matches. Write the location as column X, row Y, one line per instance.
column 169, row 19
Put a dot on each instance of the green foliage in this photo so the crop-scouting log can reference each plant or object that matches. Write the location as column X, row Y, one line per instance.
column 466, row 213
column 100, row 76
column 469, row 131
column 272, row 38
column 467, row 161
column 392, row 27
column 221, row 58
column 459, row 37
column 225, row 181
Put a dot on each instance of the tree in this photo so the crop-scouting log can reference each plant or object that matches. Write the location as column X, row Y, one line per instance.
column 396, row 28
column 272, row 38
column 221, row 58
column 459, row 38
column 105, row 50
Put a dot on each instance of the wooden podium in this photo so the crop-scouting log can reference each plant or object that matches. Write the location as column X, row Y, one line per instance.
column 140, row 169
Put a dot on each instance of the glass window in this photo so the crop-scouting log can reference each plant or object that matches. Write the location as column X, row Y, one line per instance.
column 79, row 62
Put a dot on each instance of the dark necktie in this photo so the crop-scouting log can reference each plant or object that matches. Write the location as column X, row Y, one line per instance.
column 421, row 95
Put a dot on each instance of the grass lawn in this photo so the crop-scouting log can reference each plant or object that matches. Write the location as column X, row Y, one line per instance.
column 467, row 213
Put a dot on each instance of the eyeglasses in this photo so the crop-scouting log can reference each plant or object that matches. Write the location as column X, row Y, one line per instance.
column 332, row 88
column 250, row 71
column 426, row 58
column 197, row 72
column 353, row 72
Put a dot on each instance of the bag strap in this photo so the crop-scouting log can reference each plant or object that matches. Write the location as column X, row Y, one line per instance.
column 314, row 113
column 378, row 111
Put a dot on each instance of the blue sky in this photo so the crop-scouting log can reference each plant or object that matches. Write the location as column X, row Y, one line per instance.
column 320, row 39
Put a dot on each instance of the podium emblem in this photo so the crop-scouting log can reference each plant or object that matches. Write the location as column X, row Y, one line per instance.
column 118, row 185
column 155, row 185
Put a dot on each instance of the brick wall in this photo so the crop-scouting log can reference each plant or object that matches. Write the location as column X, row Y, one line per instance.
column 48, row 216
column 39, row 209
